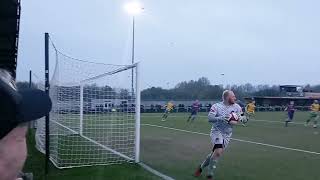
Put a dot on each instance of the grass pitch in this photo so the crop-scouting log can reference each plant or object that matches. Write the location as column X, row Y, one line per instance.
column 286, row 153
column 177, row 153
column 126, row 171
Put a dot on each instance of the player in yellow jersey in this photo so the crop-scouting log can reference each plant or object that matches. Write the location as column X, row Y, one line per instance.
column 169, row 107
column 250, row 109
column 314, row 113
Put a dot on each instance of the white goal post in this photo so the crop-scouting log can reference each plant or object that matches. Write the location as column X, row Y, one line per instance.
column 137, row 110
column 95, row 118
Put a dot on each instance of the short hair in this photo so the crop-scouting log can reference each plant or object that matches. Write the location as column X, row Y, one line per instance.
column 225, row 94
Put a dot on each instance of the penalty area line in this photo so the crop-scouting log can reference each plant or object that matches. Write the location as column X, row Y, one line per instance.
column 235, row 139
column 155, row 172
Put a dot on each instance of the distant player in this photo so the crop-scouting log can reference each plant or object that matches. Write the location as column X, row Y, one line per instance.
column 169, row 108
column 314, row 113
column 222, row 117
column 290, row 110
column 194, row 111
column 250, row 109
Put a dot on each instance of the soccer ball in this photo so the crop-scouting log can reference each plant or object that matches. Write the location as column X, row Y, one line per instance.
column 243, row 118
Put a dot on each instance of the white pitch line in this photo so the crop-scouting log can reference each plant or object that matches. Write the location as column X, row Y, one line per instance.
column 95, row 142
column 155, row 172
column 240, row 140
column 257, row 120
column 260, row 120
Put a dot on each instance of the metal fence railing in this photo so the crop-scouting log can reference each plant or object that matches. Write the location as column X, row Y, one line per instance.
column 178, row 109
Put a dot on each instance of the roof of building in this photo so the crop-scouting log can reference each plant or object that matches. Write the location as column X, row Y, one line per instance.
column 289, row 97
column 289, row 86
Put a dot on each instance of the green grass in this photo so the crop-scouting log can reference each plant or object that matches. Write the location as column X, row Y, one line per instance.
column 126, row 171
column 177, row 153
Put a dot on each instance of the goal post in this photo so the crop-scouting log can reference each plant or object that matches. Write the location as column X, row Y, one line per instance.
column 137, row 123
column 137, row 107
column 81, row 109
column 95, row 117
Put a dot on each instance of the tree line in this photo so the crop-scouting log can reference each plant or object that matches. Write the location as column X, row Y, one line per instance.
column 200, row 89
column 65, row 93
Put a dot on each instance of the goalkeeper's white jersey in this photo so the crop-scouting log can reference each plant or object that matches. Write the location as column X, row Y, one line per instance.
column 221, row 110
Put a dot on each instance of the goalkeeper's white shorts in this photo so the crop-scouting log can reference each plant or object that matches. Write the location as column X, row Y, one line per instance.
column 220, row 138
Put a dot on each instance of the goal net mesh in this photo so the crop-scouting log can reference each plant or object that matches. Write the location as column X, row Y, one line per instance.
column 93, row 117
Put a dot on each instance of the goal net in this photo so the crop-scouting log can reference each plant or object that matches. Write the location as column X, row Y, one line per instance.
column 95, row 118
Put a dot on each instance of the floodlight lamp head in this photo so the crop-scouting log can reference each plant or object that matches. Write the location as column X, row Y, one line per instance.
column 133, row 8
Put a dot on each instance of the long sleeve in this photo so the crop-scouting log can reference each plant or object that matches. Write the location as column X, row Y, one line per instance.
column 213, row 118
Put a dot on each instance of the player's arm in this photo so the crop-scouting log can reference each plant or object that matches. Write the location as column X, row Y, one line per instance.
column 213, row 118
column 246, row 108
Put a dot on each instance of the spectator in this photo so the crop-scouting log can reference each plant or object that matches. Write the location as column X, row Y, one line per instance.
column 13, row 153
column 17, row 108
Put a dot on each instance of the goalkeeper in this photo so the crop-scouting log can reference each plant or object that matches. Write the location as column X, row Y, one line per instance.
column 169, row 108
column 222, row 123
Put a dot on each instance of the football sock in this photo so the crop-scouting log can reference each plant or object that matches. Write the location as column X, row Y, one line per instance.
column 212, row 165
column 164, row 116
column 287, row 121
column 206, row 162
column 193, row 118
column 308, row 121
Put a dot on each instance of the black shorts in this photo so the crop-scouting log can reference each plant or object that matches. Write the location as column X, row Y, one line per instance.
column 193, row 113
column 290, row 115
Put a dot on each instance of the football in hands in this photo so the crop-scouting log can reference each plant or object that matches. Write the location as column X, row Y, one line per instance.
column 234, row 117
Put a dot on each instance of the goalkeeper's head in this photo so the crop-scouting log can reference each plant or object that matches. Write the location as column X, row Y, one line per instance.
column 17, row 107
column 228, row 97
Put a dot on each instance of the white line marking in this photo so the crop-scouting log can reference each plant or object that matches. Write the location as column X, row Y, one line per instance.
column 268, row 121
column 240, row 140
column 155, row 172
column 95, row 142
column 257, row 120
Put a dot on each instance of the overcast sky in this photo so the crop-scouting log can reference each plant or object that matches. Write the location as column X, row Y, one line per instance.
column 260, row 42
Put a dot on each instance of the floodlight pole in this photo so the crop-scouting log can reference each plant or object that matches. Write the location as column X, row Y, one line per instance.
column 30, row 124
column 132, row 54
column 46, row 54
column 30, row 79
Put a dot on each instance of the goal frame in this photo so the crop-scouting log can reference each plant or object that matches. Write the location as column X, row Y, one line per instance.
column 137, row 94
column 137, row 105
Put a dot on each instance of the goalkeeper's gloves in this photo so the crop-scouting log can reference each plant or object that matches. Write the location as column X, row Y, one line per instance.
column 227, row 118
